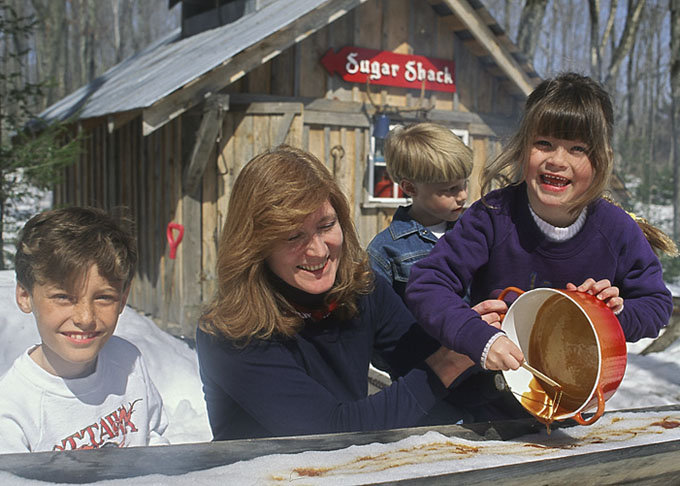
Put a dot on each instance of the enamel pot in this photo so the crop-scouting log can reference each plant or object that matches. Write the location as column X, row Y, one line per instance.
column 573, row 338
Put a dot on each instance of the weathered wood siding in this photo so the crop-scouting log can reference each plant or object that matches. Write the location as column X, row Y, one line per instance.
column 291, row 99
column 123, row 169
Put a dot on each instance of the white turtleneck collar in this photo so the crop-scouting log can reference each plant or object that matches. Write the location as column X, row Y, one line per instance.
column 555, row 233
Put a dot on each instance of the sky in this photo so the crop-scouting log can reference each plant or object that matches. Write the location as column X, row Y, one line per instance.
column 650, row 380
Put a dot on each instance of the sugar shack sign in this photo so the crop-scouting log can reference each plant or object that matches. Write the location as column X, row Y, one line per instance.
column 357, row 65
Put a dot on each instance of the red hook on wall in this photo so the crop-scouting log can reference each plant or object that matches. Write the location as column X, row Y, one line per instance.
column 172, row 241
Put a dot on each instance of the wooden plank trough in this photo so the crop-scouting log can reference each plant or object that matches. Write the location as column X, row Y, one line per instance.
column 647, row 464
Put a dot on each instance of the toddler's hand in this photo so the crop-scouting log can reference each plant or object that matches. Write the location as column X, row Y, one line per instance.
column 504, row 355
column 603, row 290
column 491, row 310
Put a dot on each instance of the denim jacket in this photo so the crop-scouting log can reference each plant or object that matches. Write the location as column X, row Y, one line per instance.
column 395, row 249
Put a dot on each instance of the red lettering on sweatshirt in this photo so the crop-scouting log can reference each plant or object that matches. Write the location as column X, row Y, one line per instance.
column 110, row 429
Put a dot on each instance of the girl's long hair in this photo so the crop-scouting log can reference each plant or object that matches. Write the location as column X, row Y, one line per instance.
column 569, row 106
column 271, row 197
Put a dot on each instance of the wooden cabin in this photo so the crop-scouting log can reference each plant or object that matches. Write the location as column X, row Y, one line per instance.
column 169, row 128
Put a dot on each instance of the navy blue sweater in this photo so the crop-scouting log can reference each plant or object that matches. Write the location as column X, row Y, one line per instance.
column 317, row 380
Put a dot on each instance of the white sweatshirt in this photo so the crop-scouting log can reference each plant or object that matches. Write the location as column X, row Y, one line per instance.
column 117, row 405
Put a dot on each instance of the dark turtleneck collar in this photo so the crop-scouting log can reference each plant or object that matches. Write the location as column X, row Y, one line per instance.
column 295, row 296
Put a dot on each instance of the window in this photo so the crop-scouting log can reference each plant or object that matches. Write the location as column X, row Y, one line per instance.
column 382, row 191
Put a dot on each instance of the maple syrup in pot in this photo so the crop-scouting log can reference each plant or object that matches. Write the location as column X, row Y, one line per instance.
column 563, row 346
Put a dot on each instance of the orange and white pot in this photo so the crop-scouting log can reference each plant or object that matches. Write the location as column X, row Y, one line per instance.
column 573, row 338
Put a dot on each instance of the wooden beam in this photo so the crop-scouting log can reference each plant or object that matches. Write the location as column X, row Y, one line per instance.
column 338, row 119
column 274, row 107
column 481, row 31
column 117, row 120
column 284, row 127
column 236, row 67
column 205, row 141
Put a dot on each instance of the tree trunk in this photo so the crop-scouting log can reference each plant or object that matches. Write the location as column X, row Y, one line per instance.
column 675, row 111
column 115, row 8
column 530, row 26
column 2, row 225
column 630, row 82
column 623, row 48
column 609, row 27
column 595, row 56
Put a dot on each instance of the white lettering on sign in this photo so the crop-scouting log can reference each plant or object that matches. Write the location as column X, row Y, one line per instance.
column 413, row 70
column 352, row 67
column 416, row 72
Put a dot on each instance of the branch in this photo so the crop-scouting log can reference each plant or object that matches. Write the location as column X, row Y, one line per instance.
column 629, row 32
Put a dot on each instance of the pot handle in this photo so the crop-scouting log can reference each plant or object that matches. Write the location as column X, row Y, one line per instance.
column 505, row 292
column 600, row 410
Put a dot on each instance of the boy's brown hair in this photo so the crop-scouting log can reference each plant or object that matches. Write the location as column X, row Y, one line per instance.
column 427, row 153
column 60, row 246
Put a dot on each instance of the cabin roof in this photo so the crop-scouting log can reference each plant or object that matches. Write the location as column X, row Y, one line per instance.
column 172, row 64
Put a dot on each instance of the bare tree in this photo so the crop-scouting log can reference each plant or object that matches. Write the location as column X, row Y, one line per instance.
column 619, row 49
column 629, row 32
column 675, row 111
column 530, row 24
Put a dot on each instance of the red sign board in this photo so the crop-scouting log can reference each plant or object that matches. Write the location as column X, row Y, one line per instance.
column 356, row 65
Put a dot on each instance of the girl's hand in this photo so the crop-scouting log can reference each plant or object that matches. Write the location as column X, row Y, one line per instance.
column 491, row 310
column 603, row 290
column 504, row 355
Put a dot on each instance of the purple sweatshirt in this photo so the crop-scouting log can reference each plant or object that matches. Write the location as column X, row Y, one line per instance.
column 491, row 248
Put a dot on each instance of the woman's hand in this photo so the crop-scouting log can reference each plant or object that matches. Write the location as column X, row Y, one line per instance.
column 491, row 311
column 603, row 290
column 504, row 355
column 448, row 365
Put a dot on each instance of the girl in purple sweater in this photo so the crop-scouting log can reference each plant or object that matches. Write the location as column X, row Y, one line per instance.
column 548, row 227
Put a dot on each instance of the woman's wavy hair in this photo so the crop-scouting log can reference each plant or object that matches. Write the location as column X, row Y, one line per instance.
column 569, row 106
column 271, row 197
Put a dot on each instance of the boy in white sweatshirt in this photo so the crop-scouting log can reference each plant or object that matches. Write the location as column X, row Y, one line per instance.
column 80, row 388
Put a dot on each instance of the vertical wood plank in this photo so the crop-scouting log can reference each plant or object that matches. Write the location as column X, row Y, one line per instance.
column 444, row 50
column 282, row 78
column 339, row 34
column 259, row 79
column 359, row 171
column 262, row 138
column 479, row 147
column 141, row 162
column 175, row 182
column 158, row 222
column 191, row 261
column 209, row 229
column 126, row 133
column 316, row 145
column 395, row 39
column 225, row 167
column 313, row 76
column 294, row 136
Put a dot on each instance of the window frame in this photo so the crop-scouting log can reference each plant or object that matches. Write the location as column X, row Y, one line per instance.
column 379, row 161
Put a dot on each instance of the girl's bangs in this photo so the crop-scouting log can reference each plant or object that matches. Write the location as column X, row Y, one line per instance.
column 568, row 123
